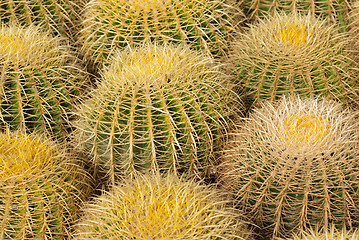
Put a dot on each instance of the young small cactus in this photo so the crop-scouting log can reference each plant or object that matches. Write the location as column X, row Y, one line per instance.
column 41, row 188
column 292, row 164
column 294, row 54
column 156, row 108
column 333, row 12
column 204, row 24
column 61, row 17
column 40, row 80
column 153, row 207
column 330, row 234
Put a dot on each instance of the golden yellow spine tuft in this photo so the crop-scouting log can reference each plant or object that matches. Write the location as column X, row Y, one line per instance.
column 293, row 34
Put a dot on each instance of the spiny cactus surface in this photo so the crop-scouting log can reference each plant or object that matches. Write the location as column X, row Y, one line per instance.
column 41, row 188
column 157, row 108
column 333, row 12
column 40, row 80
column 153, row 207
column 204, row 24
column 294, row 54
column 58, row 16
column 330, row 234
column 291, row 166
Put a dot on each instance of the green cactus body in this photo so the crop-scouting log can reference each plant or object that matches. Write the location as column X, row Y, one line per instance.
column 153, row 207
column 157, row 108
column 61, row 17
column 39, row 82
column 204, row 24
column 41, row 188
column 333, row 12
column 291, row 166
column 295, row 55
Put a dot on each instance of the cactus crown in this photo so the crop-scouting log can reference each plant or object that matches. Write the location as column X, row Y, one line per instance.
column 293, row 34
column 305, row 128
column 27, row 46
column 22, row 154
column 153, row 207
column 155, row 64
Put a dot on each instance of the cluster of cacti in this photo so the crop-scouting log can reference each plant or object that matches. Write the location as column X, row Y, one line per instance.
column 153, row 207
column 156, row 108
column 206, row 25
column 330, row 234
column 291, row 166
column 39, row 81
column 167, row 85
column 58, row 16
column 294, row 54
column 41, row 188
column 333, row 12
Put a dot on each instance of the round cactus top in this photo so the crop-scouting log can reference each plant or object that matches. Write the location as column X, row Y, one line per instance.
column 22, row 154
column 301, row 126
column 158, row 65
column 27, row 45
column 161, row 208
column 293, row 38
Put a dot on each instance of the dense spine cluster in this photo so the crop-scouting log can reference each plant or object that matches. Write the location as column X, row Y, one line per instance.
column 291, row 166
column 153, row 207
column 157, row 108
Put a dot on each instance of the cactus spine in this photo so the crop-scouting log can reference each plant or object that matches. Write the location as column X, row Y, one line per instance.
column 204, row 24
column 295, row 55
column 291, row 166
column 39, row 81
column 153, row 207
column 157, row 108
column 41, row 188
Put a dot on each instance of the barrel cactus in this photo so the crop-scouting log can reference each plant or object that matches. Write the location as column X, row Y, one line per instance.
column 156, row 108
column 61, row 17
column 40, row 80
column 153, row 207
column 294, row 54
column 291, row 166
column 333, row 12
column 41, row 188
column 109, row 24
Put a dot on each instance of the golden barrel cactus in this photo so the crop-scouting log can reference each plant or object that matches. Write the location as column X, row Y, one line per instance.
column 292, row 165
column 153, row 207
